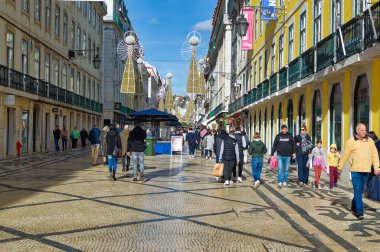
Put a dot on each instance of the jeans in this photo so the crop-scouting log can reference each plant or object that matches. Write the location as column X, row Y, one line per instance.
column 228, row 166
column 138, row 158
column 112, row 163
column 283, row 169
column 208, row 152
column 257, row 166
column 191, row 149
column 358, row 181
column 56, row 142
column 64, row 143
column 128, row 161
column 216, row 158
column 303, row 171
column 94, row 153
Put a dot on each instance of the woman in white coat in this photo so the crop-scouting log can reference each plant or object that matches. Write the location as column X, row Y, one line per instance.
column 209, row 144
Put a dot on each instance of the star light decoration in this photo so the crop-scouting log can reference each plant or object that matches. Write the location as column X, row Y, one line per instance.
column 129, row 50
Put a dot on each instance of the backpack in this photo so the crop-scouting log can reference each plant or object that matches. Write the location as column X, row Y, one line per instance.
column 204, row 142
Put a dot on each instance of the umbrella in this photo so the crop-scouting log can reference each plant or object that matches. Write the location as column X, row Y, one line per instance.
column 152, row 115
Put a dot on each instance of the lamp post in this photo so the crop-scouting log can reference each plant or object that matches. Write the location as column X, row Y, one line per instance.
column 76, row 54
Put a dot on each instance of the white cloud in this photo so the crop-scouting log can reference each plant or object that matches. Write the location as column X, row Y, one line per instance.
column 154, row 21
column 203, row 25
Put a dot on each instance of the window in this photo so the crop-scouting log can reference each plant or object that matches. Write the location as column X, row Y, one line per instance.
column 303, row 32
column 261, row 26
column 317, row 21
column 24, row 57
column 37, row 7
column 256, row 21
column 290, row 117
column 64, row 76
column 291, row 43
column 47, row 67
column 37, row 62
column 56, row 73
column 47, row 14
column 79, row 35
column 10, row 50
column 84, row 40
column 281, row 52
column 336, row 116
column 265, row 64
column 85, row 8
column 89, row 12
column 25, row 5
column 72, row 72
column 336, row 18
column 79, row 4
column 72, row 35
column 57, row 21
column 84, row 85
column 317, row 117
column 260, row 68
column 89, row 47
column 93, row 90
column 65, row 28
column 361, row 101
column 250, row 77
column 255, row 74
column 88, row 94
column 78, row 83
column 273, row 55
column 93, row 17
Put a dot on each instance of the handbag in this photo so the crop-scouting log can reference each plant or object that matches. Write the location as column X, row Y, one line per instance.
column 116, row 151
column 217, row 171
column 273, row 163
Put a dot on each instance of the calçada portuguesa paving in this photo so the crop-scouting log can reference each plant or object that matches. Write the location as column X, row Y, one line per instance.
column 59, row 202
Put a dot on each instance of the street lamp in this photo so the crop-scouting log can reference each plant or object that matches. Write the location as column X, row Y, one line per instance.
column 211, row 80
column 76, row 54
column 242, row 26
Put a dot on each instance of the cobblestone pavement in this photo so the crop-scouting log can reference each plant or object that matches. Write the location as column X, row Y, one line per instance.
column 57, row 201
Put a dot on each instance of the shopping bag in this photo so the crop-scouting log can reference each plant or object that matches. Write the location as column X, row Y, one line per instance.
column 273, row 163
column 218, row 170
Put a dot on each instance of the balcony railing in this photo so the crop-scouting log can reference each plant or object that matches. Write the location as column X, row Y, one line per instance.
column 273, row 83
column 282, row 78
column 265, row 88
column 259, row 91
column 216, row 111
column 325, row 52
column 23, row 82
column 351, row 32
column 369, row 37
column 307, row 63
column 294, row 71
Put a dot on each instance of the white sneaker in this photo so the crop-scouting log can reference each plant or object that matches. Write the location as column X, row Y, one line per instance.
column 231, row 181
column 319, row 187
column 239, row 179
column 280, row 185
column 227, row 182
column 257, row 183
column 301, row 184
column 284, row 184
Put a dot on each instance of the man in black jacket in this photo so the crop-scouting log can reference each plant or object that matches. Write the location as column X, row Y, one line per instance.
column 136, row 146
column 229, row 156
column 303, row 149
column 284, row 145
column 242, row 144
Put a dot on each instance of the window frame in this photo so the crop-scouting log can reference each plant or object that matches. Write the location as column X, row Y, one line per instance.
column 303, row 38
column 291, row 43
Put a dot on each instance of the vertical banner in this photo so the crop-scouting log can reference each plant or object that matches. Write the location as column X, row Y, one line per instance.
column 247, row 40
column 268, row 10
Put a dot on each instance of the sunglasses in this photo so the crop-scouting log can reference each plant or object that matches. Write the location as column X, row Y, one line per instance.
column 303, row 129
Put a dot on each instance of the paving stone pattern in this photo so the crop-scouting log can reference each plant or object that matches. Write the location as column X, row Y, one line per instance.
column 59, row 202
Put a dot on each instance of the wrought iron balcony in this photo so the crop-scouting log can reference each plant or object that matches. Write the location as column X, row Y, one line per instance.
column 369, row 37
column 265, row 88
column 26, row 83
column 307, row 63
column 294, row 71
column 273, row 83
column 216, row 111
column 260, row 91
column 352, row 33
column 325, row 52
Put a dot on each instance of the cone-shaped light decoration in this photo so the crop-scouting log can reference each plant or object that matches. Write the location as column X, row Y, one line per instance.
column 128, row 83
column 161, row 105
column 169, row 98
column 193, row 77
column 189, row 110
column 202, row 83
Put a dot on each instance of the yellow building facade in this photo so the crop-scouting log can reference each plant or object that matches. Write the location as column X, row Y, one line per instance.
column 41, row 86
column 303, row 75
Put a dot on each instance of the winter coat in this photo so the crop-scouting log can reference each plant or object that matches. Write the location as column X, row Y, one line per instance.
column 57, row 133
column 284, row 145
column 136, row 140
column 333, row 158
column 112, row 139
column 94, row 136
column 83, row 134
column 191, row 138
column 103, row 143
column 303, row 147
column 218, row 141
column 257, row 149
column 124, row 135
column 209, row 142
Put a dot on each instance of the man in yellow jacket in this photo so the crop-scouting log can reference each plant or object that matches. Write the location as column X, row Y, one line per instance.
column 361, row 153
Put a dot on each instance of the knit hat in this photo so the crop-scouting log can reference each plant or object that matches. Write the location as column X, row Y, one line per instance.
column 284, row 126
column 333, row 146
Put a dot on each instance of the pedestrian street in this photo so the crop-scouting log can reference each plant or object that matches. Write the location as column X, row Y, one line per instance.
column 59, row 202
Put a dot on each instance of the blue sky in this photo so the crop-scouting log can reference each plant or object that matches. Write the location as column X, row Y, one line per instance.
column 162, row 27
